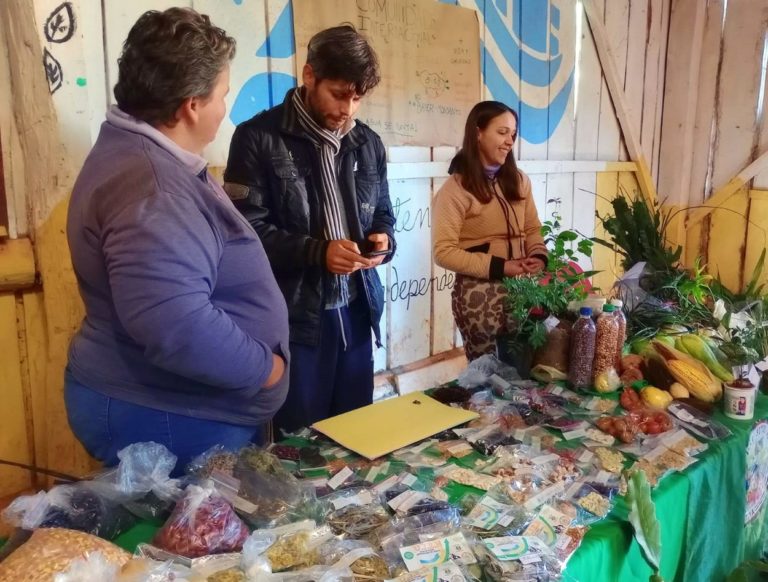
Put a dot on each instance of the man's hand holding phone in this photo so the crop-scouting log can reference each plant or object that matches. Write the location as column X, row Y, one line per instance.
column 377, row 249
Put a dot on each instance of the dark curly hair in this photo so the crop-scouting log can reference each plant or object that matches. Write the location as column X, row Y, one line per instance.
column 342, row 53
column 168, row 57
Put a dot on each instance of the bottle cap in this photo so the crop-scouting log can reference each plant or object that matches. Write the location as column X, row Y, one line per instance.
column 617, row 302
column 585, row 311
column 608, row 308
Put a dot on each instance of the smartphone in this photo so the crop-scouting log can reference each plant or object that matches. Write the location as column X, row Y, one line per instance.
column 372, row 254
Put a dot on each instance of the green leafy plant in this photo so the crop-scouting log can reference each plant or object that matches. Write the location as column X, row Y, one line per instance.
column 638, row 232
column 748, row 343
column 642, row 516
column 532, row 298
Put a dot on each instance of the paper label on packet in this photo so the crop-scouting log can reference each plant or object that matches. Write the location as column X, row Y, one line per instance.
column 489, row 512
column 387, row 484
column 526, row 549
column 420, row 447
column 338, row 479
column 373, row 472
column 362, row 498
column 406, row 500
column 448, row 572
column 586, row 456
column 462, row 432
column 545, row 495
column 482, row 433
column 551, row 323
column 408, row 479
column 579, row 433
column 433, row 552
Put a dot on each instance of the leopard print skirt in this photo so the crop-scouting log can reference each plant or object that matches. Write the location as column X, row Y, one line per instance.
column 478, row 308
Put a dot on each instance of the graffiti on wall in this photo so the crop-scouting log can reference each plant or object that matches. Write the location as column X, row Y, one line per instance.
column 527, row 67
column 58, row 28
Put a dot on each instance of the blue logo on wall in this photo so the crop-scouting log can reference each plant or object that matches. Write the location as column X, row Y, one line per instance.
column 526, row 66
column 266, row 90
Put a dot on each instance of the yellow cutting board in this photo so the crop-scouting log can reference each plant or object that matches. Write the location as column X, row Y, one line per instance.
column 383, row 427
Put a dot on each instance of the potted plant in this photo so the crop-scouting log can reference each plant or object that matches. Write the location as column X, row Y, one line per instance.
column 534, row 302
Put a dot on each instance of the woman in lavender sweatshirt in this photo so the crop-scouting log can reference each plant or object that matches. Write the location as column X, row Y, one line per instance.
column 185, row 336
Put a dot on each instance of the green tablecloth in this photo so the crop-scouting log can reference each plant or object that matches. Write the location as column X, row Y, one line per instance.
column 702, row 522
column 701, row 511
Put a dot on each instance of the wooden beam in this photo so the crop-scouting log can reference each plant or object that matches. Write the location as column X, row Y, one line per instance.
column 616, row 89
column 17, row 264
column 682, row 90
column 416, row 170
column 734, row 185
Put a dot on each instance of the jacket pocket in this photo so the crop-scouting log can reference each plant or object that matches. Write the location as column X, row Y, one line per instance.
column 291, row 181
column 367, row 185
column 481, row 248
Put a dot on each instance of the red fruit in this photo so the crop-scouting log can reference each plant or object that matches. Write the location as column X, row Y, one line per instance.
column 537, row 312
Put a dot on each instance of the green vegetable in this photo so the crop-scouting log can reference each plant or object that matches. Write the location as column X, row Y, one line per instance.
column 642, row 516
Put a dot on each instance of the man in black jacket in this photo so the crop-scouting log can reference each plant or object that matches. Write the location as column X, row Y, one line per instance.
column 313, row 183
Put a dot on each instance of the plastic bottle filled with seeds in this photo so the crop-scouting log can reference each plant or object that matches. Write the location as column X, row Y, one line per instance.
column 618, row 304
column 606, row 340
column 582, row 350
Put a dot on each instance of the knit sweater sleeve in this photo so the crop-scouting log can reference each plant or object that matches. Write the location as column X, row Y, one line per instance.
column 534, row 242
column 449, row 212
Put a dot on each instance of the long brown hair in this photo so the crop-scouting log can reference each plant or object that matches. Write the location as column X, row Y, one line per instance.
column 467, row 161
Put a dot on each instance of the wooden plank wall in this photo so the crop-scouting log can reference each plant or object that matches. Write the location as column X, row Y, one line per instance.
column 715, row 125
column 568, row 127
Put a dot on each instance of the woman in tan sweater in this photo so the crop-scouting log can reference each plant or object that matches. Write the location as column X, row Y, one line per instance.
column 486, row 226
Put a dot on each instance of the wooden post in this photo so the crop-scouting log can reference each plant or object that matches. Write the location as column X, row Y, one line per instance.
column 616, row 88
column 47, row 177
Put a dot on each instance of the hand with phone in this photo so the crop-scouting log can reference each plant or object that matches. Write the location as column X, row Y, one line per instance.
column 377, row 248
column 343, row 257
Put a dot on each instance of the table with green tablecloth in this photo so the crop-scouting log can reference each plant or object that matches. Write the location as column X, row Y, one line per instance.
column 702, row 515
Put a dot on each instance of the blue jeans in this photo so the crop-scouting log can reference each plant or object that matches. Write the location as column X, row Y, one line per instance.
column 106, row 425
column 333, row 377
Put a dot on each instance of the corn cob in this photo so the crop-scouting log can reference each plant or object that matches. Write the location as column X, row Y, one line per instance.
column 691, row 373
column 697, row 347
column 719, row 354
column 693, row 379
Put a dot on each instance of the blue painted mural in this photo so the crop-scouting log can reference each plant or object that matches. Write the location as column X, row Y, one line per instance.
column 526, row 66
